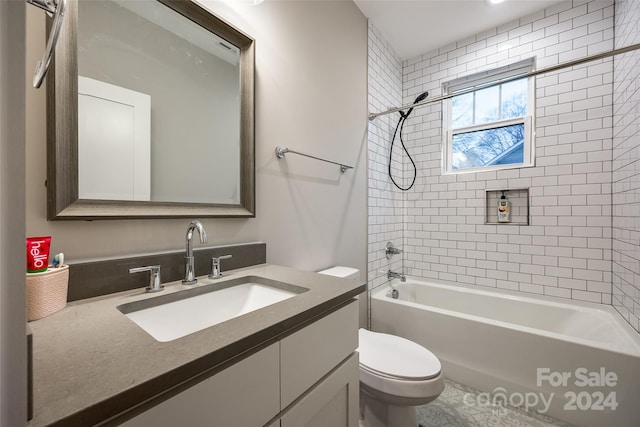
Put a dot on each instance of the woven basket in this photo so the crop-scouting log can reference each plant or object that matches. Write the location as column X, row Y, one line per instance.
column 47, row 292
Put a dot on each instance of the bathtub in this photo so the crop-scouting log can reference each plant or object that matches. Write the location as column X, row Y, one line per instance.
column 574, row 361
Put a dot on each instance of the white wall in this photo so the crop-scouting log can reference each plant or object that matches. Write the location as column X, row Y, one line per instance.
column 626, row 157
column 310, row 96
column 13, row 346
column 566, row 251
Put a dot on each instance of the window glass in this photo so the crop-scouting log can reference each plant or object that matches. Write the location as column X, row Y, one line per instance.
column 490, row 147
column 487, row 105
column 462, row 110
column 514, row 99
column 488, row 122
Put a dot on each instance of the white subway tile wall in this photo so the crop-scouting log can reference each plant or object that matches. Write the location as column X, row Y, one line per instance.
column 566, row 251
column 518, row 206
column 385, row 202
column 626, row 165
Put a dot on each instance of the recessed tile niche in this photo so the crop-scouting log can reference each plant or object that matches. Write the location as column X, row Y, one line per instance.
column 519, row 198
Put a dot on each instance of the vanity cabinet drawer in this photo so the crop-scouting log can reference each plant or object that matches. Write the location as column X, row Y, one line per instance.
column 312, row 352
column 245, row 394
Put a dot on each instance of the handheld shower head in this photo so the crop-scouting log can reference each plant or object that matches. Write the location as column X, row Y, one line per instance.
column 419, row 98
column 399, row 127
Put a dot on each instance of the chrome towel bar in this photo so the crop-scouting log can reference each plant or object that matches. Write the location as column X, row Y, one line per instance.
column 280, row 152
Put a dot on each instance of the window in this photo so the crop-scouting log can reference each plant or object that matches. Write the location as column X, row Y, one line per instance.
column 490, row 127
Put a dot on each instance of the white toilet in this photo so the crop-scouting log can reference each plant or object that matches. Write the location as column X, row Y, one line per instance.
column 396, row 374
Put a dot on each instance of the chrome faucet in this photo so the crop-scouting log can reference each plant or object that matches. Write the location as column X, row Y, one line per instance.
column 216, row 271
column 154, row 277
column 189, row 264
column 394, row 275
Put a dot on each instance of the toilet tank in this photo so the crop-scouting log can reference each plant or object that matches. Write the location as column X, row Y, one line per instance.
column 343, row 272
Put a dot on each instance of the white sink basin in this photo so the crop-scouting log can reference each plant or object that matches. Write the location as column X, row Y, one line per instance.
column 183, row 313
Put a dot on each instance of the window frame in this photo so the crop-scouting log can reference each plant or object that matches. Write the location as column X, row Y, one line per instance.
column 479, row 81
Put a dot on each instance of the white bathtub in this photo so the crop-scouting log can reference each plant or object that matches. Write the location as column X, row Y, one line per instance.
column 577, row 362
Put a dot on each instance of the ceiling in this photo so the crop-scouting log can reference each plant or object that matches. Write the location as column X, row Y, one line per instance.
column 414, row 27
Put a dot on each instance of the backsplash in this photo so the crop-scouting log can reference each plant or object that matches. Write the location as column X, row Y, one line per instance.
column 94, row 278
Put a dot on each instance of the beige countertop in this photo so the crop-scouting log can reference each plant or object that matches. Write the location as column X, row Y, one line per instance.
column 91, row 363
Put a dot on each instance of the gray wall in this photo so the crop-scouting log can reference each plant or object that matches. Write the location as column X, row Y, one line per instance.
column 13, row 368
column 311, row 91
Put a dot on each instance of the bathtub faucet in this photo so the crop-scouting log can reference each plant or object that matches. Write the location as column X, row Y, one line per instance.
column 394, row 275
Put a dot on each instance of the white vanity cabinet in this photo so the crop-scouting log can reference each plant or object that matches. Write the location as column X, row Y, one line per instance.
column 244, row 394
column 319, row 364
column 308, row 378
column 332, row 402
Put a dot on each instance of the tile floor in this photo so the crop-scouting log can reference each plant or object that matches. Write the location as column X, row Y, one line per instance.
column 450, row 410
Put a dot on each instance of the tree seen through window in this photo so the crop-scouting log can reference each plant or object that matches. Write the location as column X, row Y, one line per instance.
column 503, row 144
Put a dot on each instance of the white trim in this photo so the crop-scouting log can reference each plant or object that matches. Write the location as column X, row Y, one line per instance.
column 467, row 82
column 490, row 125
column 528, row 153
column 495, row 75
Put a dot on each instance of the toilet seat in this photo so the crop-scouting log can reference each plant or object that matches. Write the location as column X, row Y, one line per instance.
column 398, row 368
column 395, row 357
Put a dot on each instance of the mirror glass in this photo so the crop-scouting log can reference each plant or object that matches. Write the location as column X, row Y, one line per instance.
column 164, row 96
column 159, row 102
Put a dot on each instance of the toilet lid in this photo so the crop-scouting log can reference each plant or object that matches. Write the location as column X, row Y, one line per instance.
column 397, row 357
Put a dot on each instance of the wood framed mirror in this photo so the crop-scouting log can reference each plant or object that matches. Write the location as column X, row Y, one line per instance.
column 130, row 134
